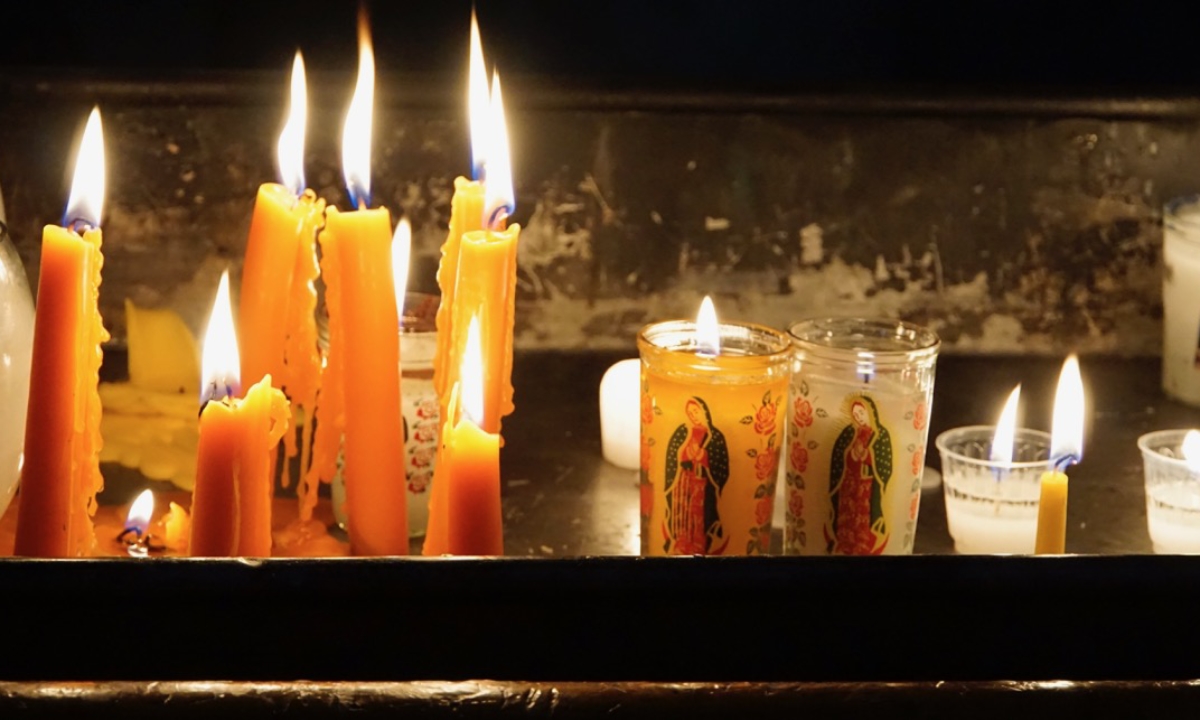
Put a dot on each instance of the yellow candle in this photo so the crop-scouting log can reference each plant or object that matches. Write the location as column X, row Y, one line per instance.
column 1052, row 514
column 61, row 472
column 712, row 428
column 1066, row 448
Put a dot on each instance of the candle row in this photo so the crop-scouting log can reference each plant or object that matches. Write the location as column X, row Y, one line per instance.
column 347, row 396
column 849, row 400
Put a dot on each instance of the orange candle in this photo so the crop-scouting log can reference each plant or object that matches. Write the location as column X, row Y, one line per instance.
column 363, row 323
column 472, row 465
column 483, row 287
column 61, row 473
column 278, row 298
column 231, row 504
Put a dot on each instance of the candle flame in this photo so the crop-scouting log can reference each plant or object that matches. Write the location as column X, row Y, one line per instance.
column 471, row 387
column 356, row 134
column 708, row 333
column 220, row 362
column 1191, row 450
column 478, row 102
column 401, row 252
column 291, row 141
column 1066, row 430
column 87, row 186
column 499, row 200
column 140, row 512
column 1006, row 428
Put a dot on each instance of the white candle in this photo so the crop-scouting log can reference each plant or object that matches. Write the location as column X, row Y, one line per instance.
column 16, row 349
column 620, row 430
column 1181, row 300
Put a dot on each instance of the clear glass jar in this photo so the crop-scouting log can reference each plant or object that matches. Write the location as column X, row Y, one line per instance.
column 861, row 393
column 16, row 350
column 712, row 429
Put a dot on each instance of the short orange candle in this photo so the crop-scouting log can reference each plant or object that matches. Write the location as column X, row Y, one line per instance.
column 231, row 504
column 61, row 473
column 278, row 298
column 472, row 465
column 363, row 322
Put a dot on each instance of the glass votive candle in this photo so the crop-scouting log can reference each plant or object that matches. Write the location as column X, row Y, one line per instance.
column 992, row 505
column 712, row 428
column 1172, row 493
column 861, row 392
column 419, row 404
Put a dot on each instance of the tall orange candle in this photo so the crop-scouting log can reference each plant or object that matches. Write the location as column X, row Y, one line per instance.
column 363, row 322
column 231, row 503
column 61, row 473
column 278, row 297
column 472, row 464
column 484, row 288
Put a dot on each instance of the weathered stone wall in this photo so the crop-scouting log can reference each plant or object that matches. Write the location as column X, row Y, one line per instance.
column 1008, row 226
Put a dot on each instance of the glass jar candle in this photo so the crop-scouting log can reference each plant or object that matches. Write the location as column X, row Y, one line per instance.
column 859, row 417
column 712, row 428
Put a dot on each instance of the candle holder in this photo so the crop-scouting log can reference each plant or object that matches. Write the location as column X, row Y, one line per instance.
column 1172, row 493
column 860, row 397
column 992, row 506
column 418, row 346
column 1181, row 299
column 712, row 428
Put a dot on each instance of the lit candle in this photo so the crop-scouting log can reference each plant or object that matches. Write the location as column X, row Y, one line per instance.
column 361, row 296
column 136, row 535
column 712, row 427
column 1066, row 448
column 61, row 472
column 991, row 478
column 1172, row 470
column 482, row 287
column 278, row 298
column 472, row 464
column 231, row 503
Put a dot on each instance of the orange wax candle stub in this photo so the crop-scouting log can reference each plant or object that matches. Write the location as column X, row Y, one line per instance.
column 1052, row 515
column 231, row 505
column 712, row 429
column 363, row 325
column 276, row 318
column 61, row 473
column 473, row 521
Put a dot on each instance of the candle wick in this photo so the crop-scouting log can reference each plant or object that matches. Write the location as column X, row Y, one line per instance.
column 499, row 215
column 217, row 390
column 77, row 225
column 1061, row 464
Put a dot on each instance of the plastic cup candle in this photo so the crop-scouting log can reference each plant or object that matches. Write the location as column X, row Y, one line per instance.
column 859, row 418
column 991, row 478
column 1066, row 448
column 712, row 427
column 1181, row 299
column 1171, row 461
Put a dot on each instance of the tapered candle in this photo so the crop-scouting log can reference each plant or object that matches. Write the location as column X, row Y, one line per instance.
column 61, row 473
column 484, row 288
column 1066, row 448
column 278, row 298
column 231, row 504
column 357, row 268
column 472, row 464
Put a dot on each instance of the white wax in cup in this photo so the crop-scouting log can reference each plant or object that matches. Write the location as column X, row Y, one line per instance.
column 1181, row 303
column 620, row 403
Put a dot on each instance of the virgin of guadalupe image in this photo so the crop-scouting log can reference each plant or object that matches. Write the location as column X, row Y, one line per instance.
column 697, row 470
column 859, row 472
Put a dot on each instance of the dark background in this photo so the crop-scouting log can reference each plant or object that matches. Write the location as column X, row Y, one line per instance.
column 984, row 46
